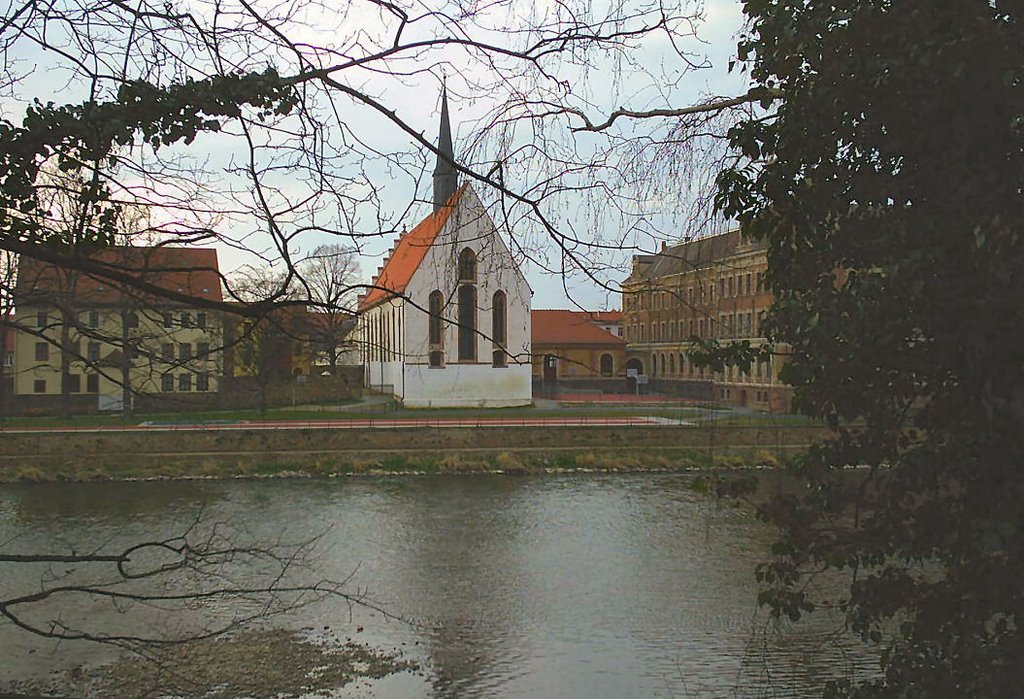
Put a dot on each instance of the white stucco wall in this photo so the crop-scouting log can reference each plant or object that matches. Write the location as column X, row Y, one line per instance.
column 467, row 386
column 382, row 341
column 461, row 384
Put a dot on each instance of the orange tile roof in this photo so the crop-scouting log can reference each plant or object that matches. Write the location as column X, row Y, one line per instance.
column 560, row 327
column 412, row 247
column 190, row 271
column 605, row 316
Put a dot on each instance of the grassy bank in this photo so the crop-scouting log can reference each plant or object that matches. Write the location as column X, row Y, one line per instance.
column 378, row 463
column 242, row 452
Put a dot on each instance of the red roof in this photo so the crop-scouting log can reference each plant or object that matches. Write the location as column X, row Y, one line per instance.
column 190, row 271
column 412, row 247
column 605, row 316
column 570, row 328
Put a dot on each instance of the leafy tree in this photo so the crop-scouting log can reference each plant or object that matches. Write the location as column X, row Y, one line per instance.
column 888, row 181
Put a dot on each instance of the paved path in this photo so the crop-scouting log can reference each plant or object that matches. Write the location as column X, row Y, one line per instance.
column 388, row 423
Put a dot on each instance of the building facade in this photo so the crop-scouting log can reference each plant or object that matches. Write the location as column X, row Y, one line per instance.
column 446, row 322
column 576, row 348
column 84, row 343
column 709, row 288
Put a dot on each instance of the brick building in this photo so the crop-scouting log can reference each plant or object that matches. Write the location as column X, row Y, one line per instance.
column 709, row 288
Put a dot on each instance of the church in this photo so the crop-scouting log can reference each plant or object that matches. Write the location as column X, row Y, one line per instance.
column 446, row 321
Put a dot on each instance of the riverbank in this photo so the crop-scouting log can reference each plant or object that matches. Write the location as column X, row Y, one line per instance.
column 241, row 453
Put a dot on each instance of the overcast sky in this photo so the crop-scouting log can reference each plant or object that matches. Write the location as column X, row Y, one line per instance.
column 657, row 79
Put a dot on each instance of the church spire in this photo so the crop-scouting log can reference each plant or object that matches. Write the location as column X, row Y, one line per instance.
column 445, row 175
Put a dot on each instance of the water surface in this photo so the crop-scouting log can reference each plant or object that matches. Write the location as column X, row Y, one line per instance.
column 543, row 586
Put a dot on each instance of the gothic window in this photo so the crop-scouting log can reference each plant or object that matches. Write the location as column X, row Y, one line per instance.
column 607, row 365
column 499, row 324
column 467, row 323
column 671, row 363
column 435, row 331
column 467, row 265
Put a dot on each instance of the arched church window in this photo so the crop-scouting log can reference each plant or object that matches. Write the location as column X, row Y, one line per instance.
column 499, row 325
column 467, row 323
column 607, row 365
column 436, row 328
column 467, row 265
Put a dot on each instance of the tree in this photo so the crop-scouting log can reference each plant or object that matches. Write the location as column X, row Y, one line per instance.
column 330, row 274
column 888, row 183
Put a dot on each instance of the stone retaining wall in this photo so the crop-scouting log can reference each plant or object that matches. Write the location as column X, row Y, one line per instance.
column 57, row 449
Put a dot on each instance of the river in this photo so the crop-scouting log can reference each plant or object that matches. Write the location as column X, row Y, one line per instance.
column 568, row 586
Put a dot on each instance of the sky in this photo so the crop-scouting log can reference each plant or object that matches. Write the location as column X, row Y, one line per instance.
column 398, row 171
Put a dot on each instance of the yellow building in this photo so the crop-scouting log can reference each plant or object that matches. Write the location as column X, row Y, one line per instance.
column 275, row 346
column 576, row 347
column 85, row 343
column 709, row 288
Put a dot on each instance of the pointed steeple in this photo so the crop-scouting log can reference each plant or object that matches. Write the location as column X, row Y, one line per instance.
column 446, row 178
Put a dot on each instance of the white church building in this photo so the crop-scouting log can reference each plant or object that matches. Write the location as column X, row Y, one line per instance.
column 446, row 322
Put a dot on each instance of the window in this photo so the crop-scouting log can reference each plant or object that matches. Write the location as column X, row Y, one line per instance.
column 467, row 323
column 131, row 319
column 185, row 351
column 607, row 365
column 436, row 328
column 168, row 320
column 202, row 381
column 186, row 319
column 74, row 383
column 39, row 386
column 200, row 320
column 185, row 382
column 654, row 365
column 42, row 352
column 467, row 265
column 92, row 383
column 661, row 367
column 167, row 383
column 671, row 363
column 41, row 319
column 682, row 363
column 93, row 352
column 202, row 349
column 748, row 285
column 167, row 351
column 94, row 319
column 499, row 328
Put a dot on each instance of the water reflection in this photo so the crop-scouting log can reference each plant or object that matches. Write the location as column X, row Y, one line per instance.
column 574, row 586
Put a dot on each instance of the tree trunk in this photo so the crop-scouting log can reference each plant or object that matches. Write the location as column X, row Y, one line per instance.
column 127, row 354
column 65, row 363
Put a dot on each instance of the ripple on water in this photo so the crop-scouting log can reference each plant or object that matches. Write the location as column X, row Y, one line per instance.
column 568, row 586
